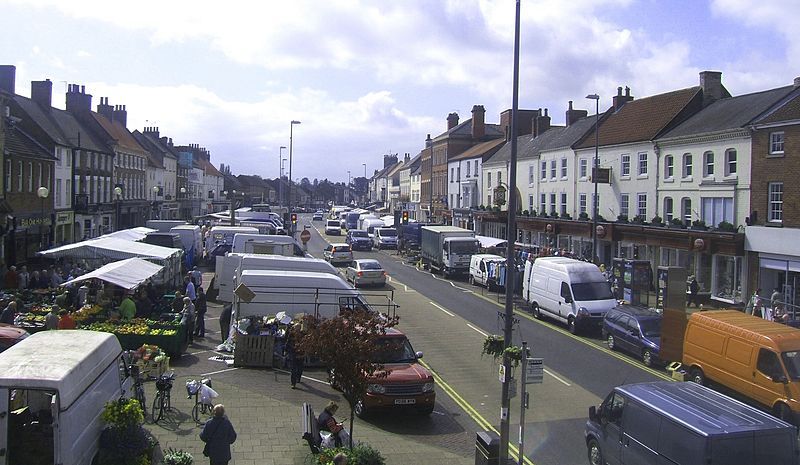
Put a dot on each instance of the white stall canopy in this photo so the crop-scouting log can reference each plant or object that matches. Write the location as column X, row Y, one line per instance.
column 132, row 234
column 110, row 248
column 127, row 274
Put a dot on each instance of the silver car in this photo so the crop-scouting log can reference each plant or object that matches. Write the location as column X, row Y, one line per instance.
column 366, row 272
column 338, row 253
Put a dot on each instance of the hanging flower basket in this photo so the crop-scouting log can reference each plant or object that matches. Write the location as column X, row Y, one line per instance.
column 514, row 354
column 493, row 345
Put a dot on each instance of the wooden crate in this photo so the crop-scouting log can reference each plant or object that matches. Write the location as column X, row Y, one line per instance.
column 253, row 351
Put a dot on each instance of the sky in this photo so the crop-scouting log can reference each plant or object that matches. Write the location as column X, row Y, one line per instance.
column 368, row 78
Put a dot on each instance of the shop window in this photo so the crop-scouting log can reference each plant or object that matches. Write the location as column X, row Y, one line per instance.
column 730, row 162
column 727, row 275
column 704, row 272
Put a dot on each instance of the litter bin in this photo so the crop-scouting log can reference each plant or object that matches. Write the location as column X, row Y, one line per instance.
column 487, row 448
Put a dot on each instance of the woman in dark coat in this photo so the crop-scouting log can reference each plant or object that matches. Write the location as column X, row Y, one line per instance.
column 218, row 434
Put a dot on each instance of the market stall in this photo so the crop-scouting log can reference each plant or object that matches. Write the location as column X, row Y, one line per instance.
column 127, row 274
column 132, row 234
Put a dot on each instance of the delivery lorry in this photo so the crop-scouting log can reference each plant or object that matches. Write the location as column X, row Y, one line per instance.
column 664, row 422
column 448, row 248
column 192, row 240
column 53, row 386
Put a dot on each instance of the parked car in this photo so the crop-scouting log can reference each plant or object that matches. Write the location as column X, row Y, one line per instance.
column 317, row 216
column 635, row 330
column 10, row 335
column 333, row 228
column 338, row 253
column 366, row 272
column 359, row 239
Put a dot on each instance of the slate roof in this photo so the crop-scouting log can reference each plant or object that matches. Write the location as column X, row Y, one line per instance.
column 61, row 126
column 19, row 143
column 527, row 145
column 785, row 111
column 464, row 129
column 119, row 133
column 483, row 150
column 208, row 168
column 644, row 119
column 414, row 162
column 155, row 155
column 728, row 113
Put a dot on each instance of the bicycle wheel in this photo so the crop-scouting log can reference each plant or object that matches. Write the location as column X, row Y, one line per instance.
column 196, row 412
column 158, row 407
column 142, row 401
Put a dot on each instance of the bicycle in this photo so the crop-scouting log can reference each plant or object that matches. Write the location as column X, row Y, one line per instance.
column 138, row 388
column 163, row 401
column 194, row 388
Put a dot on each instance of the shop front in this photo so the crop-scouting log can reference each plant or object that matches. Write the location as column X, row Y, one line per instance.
column 64, row 228
column 775, row 254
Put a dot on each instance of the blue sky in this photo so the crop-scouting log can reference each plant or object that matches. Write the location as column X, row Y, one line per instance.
column 370, row 77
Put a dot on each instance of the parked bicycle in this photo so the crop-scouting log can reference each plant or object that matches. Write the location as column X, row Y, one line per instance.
column 138, row 388
column 162, row 402
column 202, row 403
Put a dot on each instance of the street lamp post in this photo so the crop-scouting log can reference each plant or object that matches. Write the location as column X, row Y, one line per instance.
column 596, row 98
column 366, row 190
column 184, row 196
column 280, row 175
column 291, row 129
column 43, row 192
column 155, row 202
column 348, row 185
column 117, row 195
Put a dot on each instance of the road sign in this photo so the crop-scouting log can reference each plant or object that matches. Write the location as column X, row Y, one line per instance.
column 534, row 371
column 305, row 236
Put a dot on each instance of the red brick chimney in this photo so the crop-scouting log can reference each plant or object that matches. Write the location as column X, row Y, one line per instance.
column 77, row 99
column 8, row 78
column 575, row 115
column 478, row 122
column 452, row 120
column 105, row 109
column 620, row 100
column 42, row 93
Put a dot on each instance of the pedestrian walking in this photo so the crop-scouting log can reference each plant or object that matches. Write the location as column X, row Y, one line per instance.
column 294, row 356
column 218, row 434
column 225, row 321
column 200, row 307
column 694, row 289
column 198, row 276
column 191, row 289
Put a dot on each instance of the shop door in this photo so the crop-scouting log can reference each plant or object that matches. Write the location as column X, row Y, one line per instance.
column 3, row 426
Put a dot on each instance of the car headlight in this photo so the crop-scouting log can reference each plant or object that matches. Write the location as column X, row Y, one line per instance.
column 427, row 387
column 583, row 311
column 376, row 388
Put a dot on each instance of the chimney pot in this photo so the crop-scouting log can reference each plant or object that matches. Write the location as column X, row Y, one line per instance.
column 797, row 82
column 627, row 91
column 570, row 105
column 619, row 91
column 83, row 89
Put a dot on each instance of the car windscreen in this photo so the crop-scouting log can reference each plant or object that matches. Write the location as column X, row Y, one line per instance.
column 359, row 234
column 394, row 350
column 388, row 232
column 370, row 266
column 591, row 291
column 333, row 223
column 651, row 327
column 463, row 247
column 792, row 361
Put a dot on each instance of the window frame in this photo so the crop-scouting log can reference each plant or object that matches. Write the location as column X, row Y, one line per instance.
column 731, row 161
column 583, row 168
column 564, row 168
column 642, row 164
column 563, row 204
column 553, row 204
column 625, row 165
column 583, row 203
column 543, row 171
column 669, row 167
column 641, row 204
column 775, row 207
column 553, row 169
column 543, row 203
column 669, row 213
column 708, row 164
column 687, row 167
column 624, row 204
column 777, row 147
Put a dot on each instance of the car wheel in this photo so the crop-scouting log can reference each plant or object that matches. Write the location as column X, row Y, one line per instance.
column 595, row 454
column 536, row 312
column 471, row 280
column 696, row 375
column 571, row 326
column 612, row 343
column 647, row 357
column 360, row 410
column 783, row 412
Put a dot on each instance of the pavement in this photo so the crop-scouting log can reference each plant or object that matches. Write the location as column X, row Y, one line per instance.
column 266, row 414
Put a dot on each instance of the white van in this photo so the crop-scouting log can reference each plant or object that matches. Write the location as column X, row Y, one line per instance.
column 234, row 263
column 163, row 225
column 53, row 386
column 294, row 292
column 479, row 265
column 191, row 238
column 568, row 290
column 267, row 244
column 223, row 235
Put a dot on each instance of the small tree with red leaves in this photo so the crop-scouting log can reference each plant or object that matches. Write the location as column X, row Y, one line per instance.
column 348, row 346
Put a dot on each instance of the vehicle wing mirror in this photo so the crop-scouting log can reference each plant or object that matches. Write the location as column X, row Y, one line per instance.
column 779, row 378
column 593, row 414
column 419, row 354
column 568, row 299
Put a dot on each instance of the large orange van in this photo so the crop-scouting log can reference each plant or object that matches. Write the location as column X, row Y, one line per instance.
column 756, row 358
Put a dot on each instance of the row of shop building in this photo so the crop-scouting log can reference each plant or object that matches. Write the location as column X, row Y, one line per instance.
column 695, row 178
column 78, row 173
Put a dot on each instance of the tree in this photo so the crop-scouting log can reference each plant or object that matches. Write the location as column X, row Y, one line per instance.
column 347, row 345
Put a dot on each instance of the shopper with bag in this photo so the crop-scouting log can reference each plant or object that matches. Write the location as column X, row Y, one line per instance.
column 218, row 434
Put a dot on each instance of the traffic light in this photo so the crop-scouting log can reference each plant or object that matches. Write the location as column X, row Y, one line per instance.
column 405, row 216
column 294, row 218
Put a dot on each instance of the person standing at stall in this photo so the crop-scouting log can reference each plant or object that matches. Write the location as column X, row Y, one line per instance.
column 12, row 278
column 65, row 320
column 188, row 318
column 127, row 308
column 24, row 278
column 225, row 321
column 51, row 319
column 9, row 312
column 200, row 307
column 191, row 291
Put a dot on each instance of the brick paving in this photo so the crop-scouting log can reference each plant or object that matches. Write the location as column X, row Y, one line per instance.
column 266, row 415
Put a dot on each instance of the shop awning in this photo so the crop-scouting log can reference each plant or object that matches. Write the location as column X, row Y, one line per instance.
column 487, row 241
column 110, row 248
column 127, row 274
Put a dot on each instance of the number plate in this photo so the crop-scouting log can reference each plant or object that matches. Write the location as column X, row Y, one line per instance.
column 405, row 401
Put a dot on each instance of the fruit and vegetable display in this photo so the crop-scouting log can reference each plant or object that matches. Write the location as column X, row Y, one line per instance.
column 137, row 326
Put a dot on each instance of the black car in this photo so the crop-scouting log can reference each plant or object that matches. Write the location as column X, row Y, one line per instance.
column 635, row 330
column 359, row 239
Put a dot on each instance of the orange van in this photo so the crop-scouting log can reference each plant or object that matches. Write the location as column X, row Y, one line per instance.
column 756, row 358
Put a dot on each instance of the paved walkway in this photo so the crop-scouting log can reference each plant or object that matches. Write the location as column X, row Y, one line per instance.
column 266, row 414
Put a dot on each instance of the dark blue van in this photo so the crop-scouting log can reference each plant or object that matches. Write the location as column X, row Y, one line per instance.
column 635, row 330
column 686, row 423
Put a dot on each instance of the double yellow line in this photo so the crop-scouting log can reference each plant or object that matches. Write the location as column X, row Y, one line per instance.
column 479, row 419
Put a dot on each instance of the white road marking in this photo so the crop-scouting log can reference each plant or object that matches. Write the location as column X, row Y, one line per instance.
column 556, row 377
column 484, row 333
column 442, row 308
column 279, row 370
column 218, row 372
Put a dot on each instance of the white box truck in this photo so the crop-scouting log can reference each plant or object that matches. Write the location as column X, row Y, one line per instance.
column 53, row 386
column 233, row 264
column 568, row 290
column 448, row 248
column 192, row 240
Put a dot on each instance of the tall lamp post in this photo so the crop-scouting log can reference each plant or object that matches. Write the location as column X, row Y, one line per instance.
column 366, row 190
column 280, row 175
column 291, row 129
column 155, row 202
column 595, row 171
column 117, row 195
column 183, row 195
column 348, row 185
column 43, row 192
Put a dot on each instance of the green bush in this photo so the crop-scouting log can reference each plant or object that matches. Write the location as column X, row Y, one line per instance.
column 361, row 454
column 177, row 457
